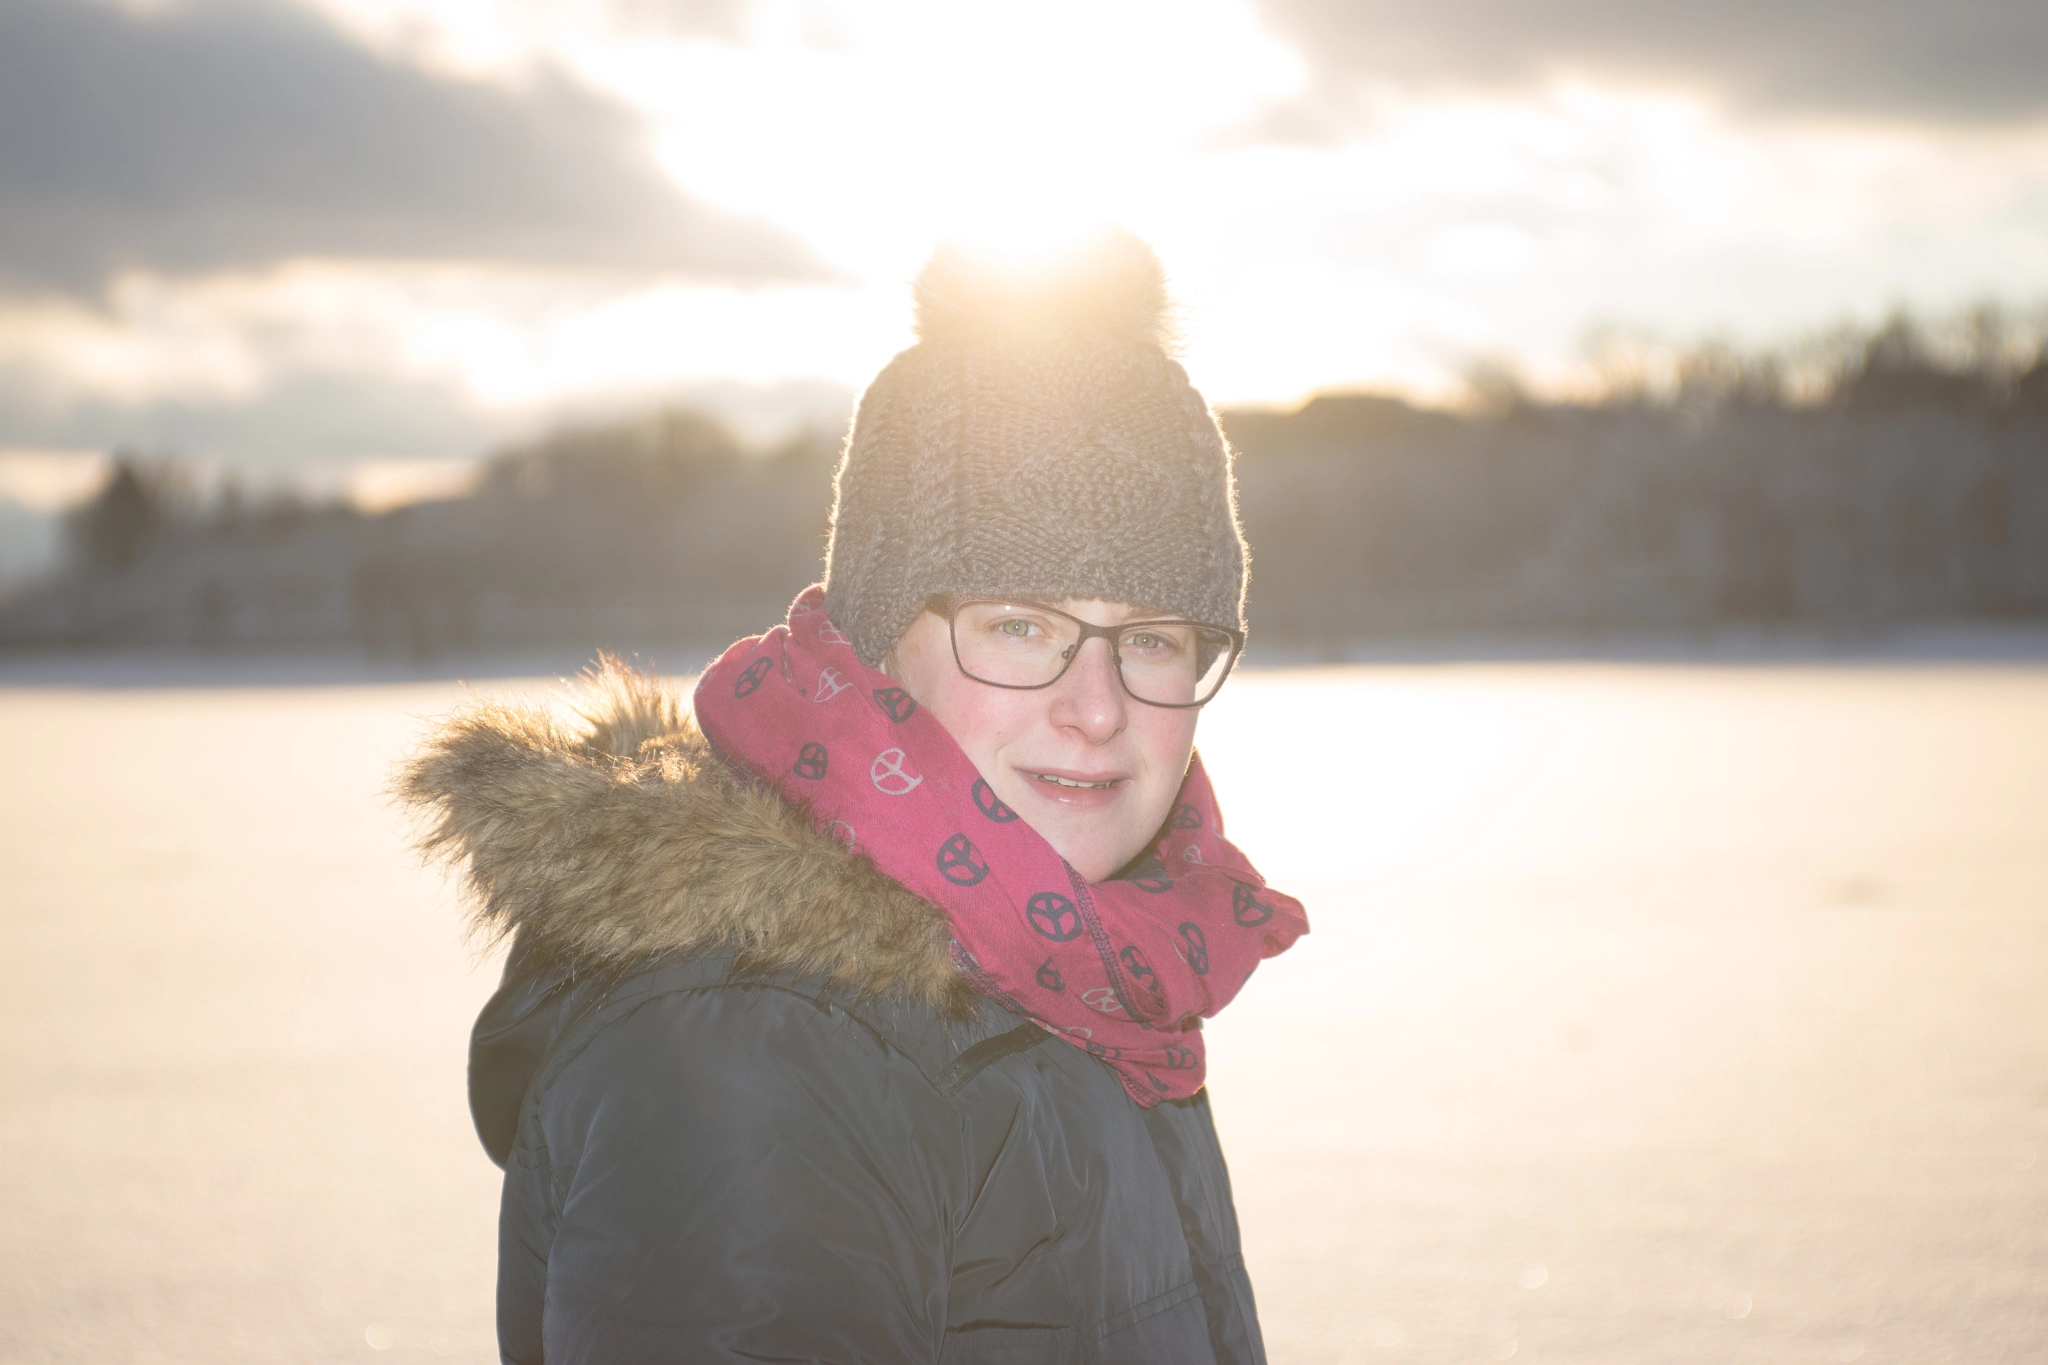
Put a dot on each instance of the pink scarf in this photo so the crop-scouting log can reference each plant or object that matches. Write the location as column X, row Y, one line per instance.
column 1126, row 969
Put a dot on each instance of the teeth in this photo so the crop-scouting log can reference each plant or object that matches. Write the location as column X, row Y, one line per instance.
column 1067, row 782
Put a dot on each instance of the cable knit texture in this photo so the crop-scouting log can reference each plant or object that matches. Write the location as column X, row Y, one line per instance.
column 1038, row 441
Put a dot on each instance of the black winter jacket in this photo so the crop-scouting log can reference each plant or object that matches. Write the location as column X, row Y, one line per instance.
column 748, row 1110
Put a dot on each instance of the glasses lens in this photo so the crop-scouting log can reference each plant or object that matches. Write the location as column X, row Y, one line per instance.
column 1012, row 644
column 1017, row 644
column 1174, row 663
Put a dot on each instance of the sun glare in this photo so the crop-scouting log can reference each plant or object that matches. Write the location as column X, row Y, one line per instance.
column 1023, row 237
column 918, row 120
column 1315, row 237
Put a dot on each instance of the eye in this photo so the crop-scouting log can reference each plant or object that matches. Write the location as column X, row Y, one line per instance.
column 1016, row 627
column 1153, row 642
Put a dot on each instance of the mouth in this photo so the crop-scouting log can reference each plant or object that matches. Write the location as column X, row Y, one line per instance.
column 1074, row 781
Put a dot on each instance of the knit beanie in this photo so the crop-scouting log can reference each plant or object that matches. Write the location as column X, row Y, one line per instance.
column 1040, row 442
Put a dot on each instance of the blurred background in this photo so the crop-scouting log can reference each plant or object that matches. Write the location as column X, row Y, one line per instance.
column 1642, row 416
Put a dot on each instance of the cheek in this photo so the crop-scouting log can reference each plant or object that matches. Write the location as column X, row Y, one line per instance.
column 980, row 719
column 1166, row 738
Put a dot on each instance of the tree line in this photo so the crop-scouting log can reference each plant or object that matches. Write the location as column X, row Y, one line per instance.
column 1903, row 476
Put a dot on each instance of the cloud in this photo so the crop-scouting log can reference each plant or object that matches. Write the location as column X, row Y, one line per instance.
column 232, row 134
column 297, row 423
column 310, row 423
column 1968, row 60
column 710, row 18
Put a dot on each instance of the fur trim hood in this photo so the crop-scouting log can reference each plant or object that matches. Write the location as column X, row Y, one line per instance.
column 602, row 839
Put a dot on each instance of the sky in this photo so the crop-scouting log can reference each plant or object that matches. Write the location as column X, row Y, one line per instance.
column 335, row 241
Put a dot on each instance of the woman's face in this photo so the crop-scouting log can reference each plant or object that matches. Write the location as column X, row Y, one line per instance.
column 1031, row 745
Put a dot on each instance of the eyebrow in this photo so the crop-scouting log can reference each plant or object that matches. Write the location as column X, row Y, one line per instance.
column 1131, row 612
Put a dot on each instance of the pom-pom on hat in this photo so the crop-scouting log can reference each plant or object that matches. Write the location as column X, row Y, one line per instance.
column 1113, row 286
column 1038, row 441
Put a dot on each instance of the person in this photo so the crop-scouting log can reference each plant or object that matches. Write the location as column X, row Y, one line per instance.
column 853, row 1005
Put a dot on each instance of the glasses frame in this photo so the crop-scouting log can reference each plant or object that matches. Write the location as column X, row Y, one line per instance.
column 948, row 606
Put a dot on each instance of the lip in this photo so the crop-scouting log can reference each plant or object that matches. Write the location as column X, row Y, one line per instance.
column 1083, row 797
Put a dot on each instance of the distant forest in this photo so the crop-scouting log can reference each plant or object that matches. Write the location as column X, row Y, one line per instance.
column 1906, row 480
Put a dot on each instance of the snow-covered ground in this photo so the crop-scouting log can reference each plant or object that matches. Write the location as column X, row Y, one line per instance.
column 1655, row 1012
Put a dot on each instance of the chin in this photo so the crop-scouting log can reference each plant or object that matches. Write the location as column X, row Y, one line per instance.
column 1093, row 860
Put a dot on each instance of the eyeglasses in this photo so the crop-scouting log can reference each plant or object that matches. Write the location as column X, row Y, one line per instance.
column 1028, row 645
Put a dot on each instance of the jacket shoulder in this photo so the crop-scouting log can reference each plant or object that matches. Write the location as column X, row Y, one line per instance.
column 930, row 1039
column 539, row 1024
column 599, row 845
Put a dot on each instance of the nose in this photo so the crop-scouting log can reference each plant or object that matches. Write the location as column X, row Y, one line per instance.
column 1089, row 698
